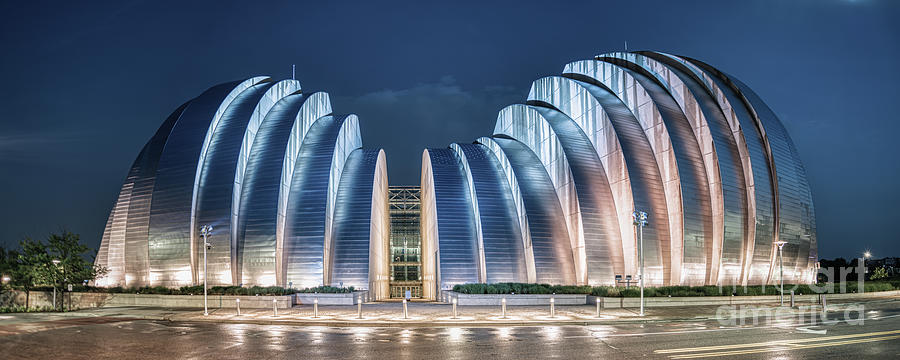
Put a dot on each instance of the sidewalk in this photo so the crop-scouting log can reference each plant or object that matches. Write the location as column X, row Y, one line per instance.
column 389, row 314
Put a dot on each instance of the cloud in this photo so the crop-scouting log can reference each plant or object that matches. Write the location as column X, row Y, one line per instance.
column 406, row 121
column 24, row 147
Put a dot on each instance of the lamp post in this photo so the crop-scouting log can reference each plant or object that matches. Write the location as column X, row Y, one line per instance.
column 640, row 220
column 205, row 231
column 780, row 245
column 56, row 264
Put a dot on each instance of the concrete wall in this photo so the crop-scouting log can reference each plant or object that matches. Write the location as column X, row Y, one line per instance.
column 523, row 299
column 619, row 302
column 331, row 299
column 89, row 300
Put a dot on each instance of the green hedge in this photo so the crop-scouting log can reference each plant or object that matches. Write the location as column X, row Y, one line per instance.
column 664, row 291
column 520, row 288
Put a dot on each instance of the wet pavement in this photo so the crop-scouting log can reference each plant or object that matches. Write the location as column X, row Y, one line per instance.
column 118, row 335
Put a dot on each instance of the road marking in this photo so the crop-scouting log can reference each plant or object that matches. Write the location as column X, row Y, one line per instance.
column 786, row 347
column 807, row 330
column 775, row 342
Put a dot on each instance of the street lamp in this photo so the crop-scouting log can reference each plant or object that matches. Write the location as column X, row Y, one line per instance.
column 640, row 220
column 866, row 255
column 780, row 245
column 205, row 231
column 56, row 264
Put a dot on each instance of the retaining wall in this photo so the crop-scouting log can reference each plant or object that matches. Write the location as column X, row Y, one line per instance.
column 633, row 302
column 89, row 300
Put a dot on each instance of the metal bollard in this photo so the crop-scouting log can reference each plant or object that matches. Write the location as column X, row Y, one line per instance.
column 503, row 307
column 824, row 303
column 274, row 307
column 552, row 308
column 792, row 298
column 405, row 310
column 238, row 304
column 359, row 307
column 316, row 307
column 598, row 307
column 454, row 307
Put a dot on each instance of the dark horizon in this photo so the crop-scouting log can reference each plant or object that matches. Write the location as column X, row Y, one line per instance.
column 90, row 83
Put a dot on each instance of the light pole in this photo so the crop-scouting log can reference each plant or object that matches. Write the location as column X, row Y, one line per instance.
column 640, row 220
column 205, row 231
column 866, row 255
column 780, row 245
column 55, row 282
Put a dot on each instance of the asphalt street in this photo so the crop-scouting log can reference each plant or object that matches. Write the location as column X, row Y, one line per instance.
column 841, row 335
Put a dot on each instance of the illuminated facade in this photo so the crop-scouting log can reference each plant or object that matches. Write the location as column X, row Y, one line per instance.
column 292, row 196
column 295, row 200
column 549, row 197
column 406, row 241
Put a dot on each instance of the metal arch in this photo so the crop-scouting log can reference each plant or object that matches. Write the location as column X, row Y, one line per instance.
column 757, row 178
column 501, row 248
column 553, row 259
column 348, row 140
column 473, row 201
column 454, row 240
column 573, row 99
column 599, row 226
column 721, row 158
column 796, row 216
column 316, row 105
column 645, row 175
column 526, row 125
column 204, row 148
column 273, row 95
column 128, row 221
column 767, row 188
column 171, row 252
column 355, row 223
column 697, row 254
column 666, row 260
column 521, row 215
column 215, row 192
column 255, row 238
column 304, row 254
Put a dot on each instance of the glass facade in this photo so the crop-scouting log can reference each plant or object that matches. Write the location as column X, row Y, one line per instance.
column 406, row 241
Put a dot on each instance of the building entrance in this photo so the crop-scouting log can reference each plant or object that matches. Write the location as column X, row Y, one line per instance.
column 406, row 242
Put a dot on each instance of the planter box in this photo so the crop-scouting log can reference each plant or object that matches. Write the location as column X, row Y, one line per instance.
column 517, row 299
column 89, row 300
column 331, row 299
column 633, row 302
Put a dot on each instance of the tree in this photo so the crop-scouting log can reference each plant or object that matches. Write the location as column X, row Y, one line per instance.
column 32, row 266
column 879, row 273
column 73, row 267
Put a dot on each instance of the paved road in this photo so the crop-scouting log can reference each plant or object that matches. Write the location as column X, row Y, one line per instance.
column 108, row 337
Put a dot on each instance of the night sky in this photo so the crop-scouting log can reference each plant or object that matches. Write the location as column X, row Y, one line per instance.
column 87, row 84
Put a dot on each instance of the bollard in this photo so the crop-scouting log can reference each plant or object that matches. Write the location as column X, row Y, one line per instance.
column 598, row 307
column 552, row 309
column 238, row 304
column 316, row 307
column 824, row 304
column 359, row 307
column 274, row 307
column 404, row 309
column 792, row 298
column 454, row 307
column 503, row 307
